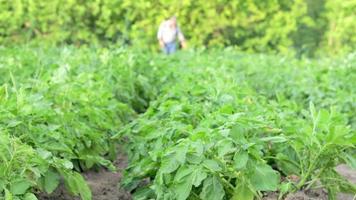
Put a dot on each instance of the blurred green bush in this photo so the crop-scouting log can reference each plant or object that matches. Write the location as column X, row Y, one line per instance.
column 305, row 27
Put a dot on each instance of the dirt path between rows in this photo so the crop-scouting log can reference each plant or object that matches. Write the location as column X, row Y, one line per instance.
column 104, row 186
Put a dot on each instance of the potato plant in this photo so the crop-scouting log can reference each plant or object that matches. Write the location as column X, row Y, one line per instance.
column 200, row 124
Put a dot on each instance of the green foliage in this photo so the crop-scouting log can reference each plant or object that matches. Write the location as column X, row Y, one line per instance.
column 195, row 125
column 340, row 35
column 304, row 26
column 231, row 126
column 58, row 110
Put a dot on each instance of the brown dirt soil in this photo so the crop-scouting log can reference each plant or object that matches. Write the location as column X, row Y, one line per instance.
column 301, row 195
column 103, row 184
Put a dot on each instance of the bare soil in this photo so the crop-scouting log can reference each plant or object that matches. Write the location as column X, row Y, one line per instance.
column 104, row 186
column 301, row 195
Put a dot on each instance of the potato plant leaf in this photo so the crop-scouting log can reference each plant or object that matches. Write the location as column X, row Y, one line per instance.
column 240, row 159
column 30, row 196
column 19, row 187
column 242, row 192
column 51, row 181
column 264, row 178
column 212, row 189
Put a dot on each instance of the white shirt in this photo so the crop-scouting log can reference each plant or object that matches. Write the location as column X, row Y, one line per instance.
column 169, row 34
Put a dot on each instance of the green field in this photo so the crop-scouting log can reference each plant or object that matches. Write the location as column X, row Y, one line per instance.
column 203, row 124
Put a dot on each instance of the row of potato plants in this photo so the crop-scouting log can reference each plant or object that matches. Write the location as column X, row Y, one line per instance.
column 214, row 124
column 58, row 109
column 237, row 126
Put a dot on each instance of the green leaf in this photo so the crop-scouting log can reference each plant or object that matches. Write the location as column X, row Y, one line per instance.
column 2, row 185
column 169, row 164
column 19, row 187
column 238, row 133
column 172, row 160
column 198, row 147
column 212, row 165
column 187, row 176
column 183, row 172
column 68, row 164
column 143, row 193
column 51, row 181
column 8, row 195
column 82, row 186
column 44, row 153
column 198, row 176
column 286, row 160
column 242, row 192
column 284, row 188
column 212, row 189
column 183, row 182
column 240, row 159
column 180, row 153
column 350, row 160
column 264, row 178
column 77, row 185
column 30, row 196
column 194, row 158
column 13, row 123
column 225, row 147
column 182, row 189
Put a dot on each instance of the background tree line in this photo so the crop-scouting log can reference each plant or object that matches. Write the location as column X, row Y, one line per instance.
column 306, row 27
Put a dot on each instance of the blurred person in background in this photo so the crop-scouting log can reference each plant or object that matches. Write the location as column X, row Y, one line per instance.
column 167, row 36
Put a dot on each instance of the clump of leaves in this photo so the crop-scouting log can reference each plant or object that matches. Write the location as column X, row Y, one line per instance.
column 231, row 132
